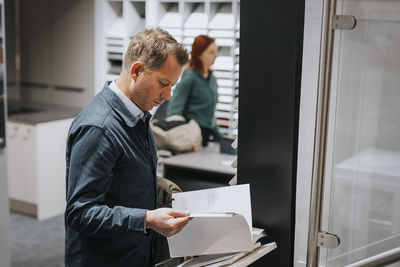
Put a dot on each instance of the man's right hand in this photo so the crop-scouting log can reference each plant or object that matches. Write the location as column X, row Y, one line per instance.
column 167, row 221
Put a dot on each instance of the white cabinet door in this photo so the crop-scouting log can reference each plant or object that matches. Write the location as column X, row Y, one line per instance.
column 22, row 162
column 36, row 165
column 51, row 144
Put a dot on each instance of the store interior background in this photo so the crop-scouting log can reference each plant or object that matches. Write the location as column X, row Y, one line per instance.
column 59, row 55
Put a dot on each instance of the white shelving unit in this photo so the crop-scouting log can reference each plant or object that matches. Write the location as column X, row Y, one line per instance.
column 184, row 20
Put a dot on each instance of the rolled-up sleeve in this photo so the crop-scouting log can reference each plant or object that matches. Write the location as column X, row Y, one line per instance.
column 93, row 153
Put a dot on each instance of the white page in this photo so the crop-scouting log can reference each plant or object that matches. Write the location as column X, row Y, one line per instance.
column 220, row 232
column 212, row 235
column 211, row 214
column 234, row 199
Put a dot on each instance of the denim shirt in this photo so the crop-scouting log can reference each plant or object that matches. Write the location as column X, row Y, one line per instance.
column 111, row 183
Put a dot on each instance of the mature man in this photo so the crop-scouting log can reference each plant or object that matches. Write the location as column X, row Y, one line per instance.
column 111, row 162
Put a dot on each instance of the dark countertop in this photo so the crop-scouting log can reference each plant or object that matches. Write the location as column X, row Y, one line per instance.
column 31, row 113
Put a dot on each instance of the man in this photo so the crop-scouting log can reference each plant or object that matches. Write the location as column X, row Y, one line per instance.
column 111, row 162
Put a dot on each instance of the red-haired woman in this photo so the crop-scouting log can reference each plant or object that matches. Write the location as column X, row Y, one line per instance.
column 196, row 95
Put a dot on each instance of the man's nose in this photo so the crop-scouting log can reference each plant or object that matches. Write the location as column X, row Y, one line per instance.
column 167, row 93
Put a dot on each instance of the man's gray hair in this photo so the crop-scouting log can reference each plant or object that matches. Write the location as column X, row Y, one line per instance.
column 152, row 47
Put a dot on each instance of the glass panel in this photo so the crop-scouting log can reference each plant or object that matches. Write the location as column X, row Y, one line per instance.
column 365, row 173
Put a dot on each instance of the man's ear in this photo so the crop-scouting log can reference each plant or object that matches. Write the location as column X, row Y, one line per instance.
column 136, row 69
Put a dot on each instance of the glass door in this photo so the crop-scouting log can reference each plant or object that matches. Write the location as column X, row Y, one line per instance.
column 362, row 184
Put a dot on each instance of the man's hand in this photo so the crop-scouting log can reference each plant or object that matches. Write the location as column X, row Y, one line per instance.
column 166, row 221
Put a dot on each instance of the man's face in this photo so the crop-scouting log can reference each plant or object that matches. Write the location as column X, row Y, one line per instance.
column 152, row 88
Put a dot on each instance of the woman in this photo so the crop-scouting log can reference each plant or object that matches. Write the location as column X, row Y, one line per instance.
column 196, row 95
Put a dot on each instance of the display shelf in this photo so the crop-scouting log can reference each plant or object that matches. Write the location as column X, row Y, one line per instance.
column 116, row 30
column 225, row 99
column 222, row 22
column 124, row 20
column 223, row 114
column 188, row 41
column 223, row 63
column 225, row 91
column 170, row 16
column 171, row 20
column 184, row 20
column 195, row 16
column 221, row 1
column 134, row 18
column 223, row 74
column 195, row 1
column 174, row 31
column 193, row 32
column 224, row 107
column 222, row 34
column 138, row 28
column 225, row 82
column 224, row 42
column 237, row 51
column 116, row 7
column 222, row 18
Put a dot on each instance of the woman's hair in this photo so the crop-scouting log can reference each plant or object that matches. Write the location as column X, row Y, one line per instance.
column 200, row 44
column 152, row 47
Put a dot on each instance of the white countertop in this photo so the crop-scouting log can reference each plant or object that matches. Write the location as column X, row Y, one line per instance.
column 206, row 159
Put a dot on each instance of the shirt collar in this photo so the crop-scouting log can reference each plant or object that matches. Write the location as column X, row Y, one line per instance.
column 120, row 108
column 135, row 110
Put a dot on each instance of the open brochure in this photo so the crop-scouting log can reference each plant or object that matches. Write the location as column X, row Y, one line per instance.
column 221, row 222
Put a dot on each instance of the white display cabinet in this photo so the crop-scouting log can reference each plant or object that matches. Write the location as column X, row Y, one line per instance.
column 184, row 20
column 36, row 167
column 117, row 21
column 170, row 18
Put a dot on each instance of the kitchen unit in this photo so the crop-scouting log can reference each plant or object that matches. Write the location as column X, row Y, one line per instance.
column 36, row 138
